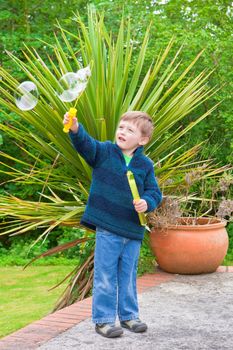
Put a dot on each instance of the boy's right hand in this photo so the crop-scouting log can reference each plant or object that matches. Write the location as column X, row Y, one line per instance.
column 74, row 125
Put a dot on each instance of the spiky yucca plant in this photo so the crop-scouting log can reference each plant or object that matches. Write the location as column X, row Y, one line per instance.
column 116, row 85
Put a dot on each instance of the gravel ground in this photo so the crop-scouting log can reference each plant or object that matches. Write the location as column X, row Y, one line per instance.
column 188, row 313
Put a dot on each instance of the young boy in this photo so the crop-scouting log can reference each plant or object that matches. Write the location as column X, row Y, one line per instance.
column 113, row 213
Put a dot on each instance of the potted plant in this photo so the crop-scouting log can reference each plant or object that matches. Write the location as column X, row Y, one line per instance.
column 191, row 244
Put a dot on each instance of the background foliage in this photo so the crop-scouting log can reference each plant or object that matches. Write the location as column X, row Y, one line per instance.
column 195, row 25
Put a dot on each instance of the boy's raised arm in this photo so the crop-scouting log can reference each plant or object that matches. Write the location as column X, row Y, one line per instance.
column 93, row 151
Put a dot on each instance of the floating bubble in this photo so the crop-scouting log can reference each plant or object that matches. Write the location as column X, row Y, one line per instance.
column 84, row 74
column 67, row 96
column 71, row 85
column 26, row 96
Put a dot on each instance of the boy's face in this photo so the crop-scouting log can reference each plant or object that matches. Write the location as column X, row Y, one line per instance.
column 129, row 137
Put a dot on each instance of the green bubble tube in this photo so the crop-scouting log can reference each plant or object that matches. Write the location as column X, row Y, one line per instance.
column 135, row 194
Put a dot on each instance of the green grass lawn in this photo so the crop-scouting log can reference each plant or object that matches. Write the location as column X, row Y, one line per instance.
column 24, row 295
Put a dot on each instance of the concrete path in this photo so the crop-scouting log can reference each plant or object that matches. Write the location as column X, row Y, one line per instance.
column 186, row 313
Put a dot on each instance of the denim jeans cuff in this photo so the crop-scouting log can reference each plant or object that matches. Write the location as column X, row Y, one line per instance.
column 129, row 318
column 104, row 320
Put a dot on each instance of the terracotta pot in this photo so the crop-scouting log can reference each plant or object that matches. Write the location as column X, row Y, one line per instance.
column 190, row 249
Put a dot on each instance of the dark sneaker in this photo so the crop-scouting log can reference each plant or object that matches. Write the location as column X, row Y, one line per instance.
column 136, row 326
column 108, row 330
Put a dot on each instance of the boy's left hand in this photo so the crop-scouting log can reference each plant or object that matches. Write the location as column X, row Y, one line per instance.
column 140, row 205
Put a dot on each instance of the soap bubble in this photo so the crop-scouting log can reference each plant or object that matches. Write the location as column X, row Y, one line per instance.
column 84, row 74
column 71, row 85
column 26, row 96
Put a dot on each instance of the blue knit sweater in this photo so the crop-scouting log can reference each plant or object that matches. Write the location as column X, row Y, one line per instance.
column 110, row 203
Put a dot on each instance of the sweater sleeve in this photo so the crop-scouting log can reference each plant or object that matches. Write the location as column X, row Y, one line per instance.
column 93, row 151
column 152, row 194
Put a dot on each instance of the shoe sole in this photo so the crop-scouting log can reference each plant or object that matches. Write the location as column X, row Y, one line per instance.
column 113, row 334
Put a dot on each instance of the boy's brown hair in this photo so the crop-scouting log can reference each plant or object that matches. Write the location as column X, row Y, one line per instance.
column 142, row 120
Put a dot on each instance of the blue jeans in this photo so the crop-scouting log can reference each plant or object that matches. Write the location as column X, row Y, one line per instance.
column 115, row 276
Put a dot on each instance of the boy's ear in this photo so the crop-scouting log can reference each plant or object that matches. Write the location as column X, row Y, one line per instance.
column 144, row 140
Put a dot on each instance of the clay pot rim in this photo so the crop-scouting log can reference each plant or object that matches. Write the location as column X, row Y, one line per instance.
column 205, row 223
